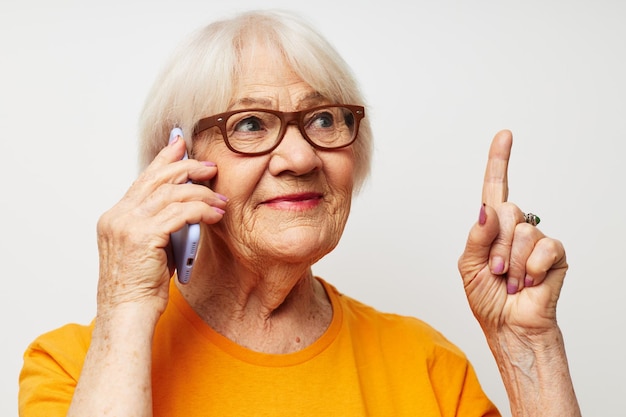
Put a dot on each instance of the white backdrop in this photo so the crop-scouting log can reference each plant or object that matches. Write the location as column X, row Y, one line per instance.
column 440, row 77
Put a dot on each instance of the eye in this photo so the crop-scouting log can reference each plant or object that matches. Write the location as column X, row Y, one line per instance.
column 248, row 124
column 322, row 120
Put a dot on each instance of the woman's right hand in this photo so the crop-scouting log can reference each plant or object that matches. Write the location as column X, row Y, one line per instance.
column 134, row 235
column 133, row 241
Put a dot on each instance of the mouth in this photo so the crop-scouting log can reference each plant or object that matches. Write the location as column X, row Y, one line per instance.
column 299, row 201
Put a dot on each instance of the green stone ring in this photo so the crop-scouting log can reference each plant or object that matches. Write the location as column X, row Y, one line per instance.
column 532, row 219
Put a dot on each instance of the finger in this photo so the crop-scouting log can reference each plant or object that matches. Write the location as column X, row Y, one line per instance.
column 496, row 185
column 161, row 167
column 172, row 194
column 167, row 168
column 478, row 247
column 170, row 166
column 524, row 240
column 547, row 255
column 178, row 214
column 160, row 170
column 509, row 216
column 174, row 151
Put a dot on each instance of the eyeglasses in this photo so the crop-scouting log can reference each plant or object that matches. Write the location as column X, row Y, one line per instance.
column 259, row 131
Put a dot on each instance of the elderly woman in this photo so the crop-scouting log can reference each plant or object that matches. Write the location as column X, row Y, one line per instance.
column 278, row 143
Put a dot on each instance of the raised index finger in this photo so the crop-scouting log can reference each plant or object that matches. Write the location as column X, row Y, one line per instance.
column 496, row 183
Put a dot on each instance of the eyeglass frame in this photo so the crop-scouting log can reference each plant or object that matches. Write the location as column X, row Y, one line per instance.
column 286, row 118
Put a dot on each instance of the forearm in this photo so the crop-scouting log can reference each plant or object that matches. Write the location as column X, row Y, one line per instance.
column 536, row 375
column 116, row 376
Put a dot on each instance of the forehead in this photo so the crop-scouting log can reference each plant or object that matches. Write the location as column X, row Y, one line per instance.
column 265, row 76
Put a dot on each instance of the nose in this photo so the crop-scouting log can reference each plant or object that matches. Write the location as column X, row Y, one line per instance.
column 294, row 154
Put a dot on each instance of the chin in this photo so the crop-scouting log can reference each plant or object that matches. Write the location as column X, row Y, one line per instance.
column 297, row 245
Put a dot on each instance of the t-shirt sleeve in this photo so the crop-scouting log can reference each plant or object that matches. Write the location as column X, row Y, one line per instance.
column 52, row 365
column 470, row 398
column 456, row 384
column 473, row 397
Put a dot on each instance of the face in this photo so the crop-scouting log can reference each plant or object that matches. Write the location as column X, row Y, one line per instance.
column 292, row 204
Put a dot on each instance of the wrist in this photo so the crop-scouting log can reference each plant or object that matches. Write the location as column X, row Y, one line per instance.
column 540, row 343
column 535, row 373
column 135, row 317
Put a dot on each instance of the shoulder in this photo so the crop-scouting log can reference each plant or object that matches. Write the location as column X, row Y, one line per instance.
column 68, row 338
column 412, row 333
column 411, row 359
column 52, row 365
column 61, row 350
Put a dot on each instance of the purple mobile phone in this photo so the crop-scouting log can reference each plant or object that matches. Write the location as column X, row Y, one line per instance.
column 184, row 241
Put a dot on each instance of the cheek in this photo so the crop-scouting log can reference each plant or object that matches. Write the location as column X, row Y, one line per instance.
column 339, row 174
column 340, row 171
column 236, row 175
column 237, row 178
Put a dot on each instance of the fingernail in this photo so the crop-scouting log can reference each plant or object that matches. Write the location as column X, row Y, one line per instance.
column 175, row 134
column 511, row 286
column 497, row 265
column 221, row 197
column 219, row 210
column 208, row 163
column 528, row 281
column 482, row 216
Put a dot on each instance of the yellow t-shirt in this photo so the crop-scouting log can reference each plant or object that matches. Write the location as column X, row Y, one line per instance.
column 367, row 363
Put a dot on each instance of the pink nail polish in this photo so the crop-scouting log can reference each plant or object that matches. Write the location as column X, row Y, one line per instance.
column 482, row 216
column 497, row 265
column 528, row 281
column 219, row 210
column 511, row 287
column 208, row 163
column 221, row 197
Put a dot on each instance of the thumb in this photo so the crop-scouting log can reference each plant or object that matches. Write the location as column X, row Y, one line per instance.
column 481, row 236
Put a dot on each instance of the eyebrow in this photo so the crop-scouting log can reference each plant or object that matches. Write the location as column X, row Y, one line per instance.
column 251, row 102
column 312, row 98
column 307, row 100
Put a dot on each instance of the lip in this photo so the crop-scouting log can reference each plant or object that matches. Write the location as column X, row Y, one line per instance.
column 301, row 201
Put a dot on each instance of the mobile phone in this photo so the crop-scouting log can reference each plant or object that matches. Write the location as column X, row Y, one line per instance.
column 184, row 241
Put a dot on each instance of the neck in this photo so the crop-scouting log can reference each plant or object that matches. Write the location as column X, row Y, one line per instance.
column 282, row 310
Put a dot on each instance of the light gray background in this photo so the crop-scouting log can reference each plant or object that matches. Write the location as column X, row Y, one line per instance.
column 440, row 77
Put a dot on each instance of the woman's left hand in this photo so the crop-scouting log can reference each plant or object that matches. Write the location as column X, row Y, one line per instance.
column 511, row 271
